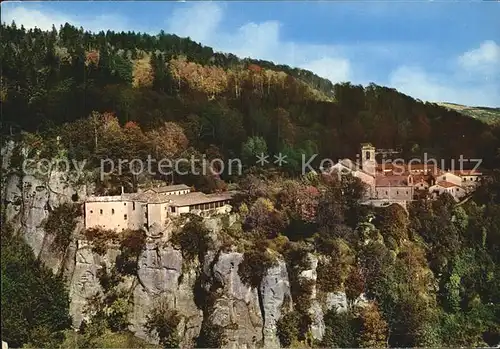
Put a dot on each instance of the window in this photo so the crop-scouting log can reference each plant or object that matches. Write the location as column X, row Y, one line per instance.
column 112, row 211
column 133, row 206
column 367, row 155
column 100, row 211
column 125, row 217
column 91, row 211
column 172, row 209
column 124, row 204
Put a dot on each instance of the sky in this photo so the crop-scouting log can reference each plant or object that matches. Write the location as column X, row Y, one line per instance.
column 432, row 50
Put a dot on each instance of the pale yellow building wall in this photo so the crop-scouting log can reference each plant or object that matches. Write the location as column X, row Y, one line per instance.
column 154, row 214
column 113, row 215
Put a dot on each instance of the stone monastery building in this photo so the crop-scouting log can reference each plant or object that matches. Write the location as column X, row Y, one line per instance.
column 404, row 182
column 150, row 208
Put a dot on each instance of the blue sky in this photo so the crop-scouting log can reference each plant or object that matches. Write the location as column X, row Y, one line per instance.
column 432, row 50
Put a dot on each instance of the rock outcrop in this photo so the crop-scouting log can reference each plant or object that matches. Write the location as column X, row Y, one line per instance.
column 248, row 316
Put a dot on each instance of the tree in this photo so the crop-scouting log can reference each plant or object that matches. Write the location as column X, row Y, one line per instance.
column 35, row 303
column 373, row 328
column 168, row 141
column 393, row 223
column 264, row 218
column 253, row 147
column 61, row 224
column 341, row 329
column 354, row 284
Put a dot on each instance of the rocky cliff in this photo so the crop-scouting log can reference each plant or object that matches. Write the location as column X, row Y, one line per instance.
column 248, row 315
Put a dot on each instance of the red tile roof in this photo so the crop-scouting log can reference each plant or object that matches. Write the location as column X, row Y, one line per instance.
column 391, row 181
column 422, row 178
column 466, row 173
column 446, row 184
column 401, row 168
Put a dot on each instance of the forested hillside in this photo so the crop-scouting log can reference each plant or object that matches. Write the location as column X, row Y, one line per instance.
column 58, row 76
column 295, row 246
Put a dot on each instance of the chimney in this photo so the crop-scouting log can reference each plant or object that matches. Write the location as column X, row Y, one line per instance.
column 122, row 189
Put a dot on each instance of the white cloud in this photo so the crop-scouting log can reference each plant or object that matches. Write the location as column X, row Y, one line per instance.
column 336, row 69
column 485, row 59
column 31, row 17
column 201, row 22
column 444, row 87
column 197, row 22
column 263, row 41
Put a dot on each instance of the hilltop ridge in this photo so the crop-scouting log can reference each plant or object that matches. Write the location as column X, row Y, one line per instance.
column 486, row 114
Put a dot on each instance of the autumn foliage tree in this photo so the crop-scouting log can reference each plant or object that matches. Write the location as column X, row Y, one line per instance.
column 374, row 328
column 168, row 140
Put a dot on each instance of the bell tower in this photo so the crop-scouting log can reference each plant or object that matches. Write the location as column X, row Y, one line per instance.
column 368, row 162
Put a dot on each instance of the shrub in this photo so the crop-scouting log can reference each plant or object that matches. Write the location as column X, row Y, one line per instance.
column 131, row 245
column 163, row 323
column 211, row 336
column 297, row 259
column 333, row 272
column 341, row 330
column 108, row 281
column 254, row 266
column 107, row 312
column 329, row 276
column 193, row 239
column 264, row 218
column 100, row 239
column 287, row 328
column 61, row 223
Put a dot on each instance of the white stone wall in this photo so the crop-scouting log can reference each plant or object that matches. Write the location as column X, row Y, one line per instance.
column 457, row 192
column 396, row 193
column 449, row 177
column 421, row 186
column 368, row 180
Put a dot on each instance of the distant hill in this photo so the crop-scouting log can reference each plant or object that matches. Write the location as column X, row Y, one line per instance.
column 484, row 114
